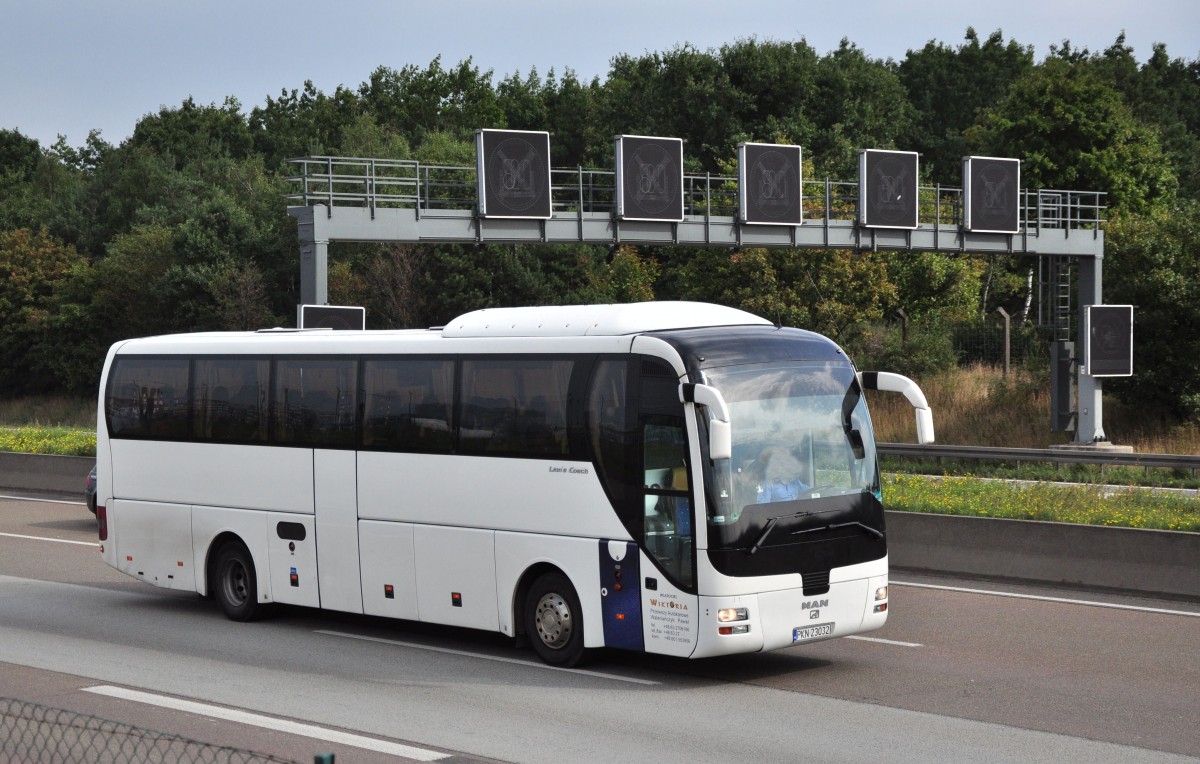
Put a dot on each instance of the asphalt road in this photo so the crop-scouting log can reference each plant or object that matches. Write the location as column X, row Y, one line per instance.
column 964, row 671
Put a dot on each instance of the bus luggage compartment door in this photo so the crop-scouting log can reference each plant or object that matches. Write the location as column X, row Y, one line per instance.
column 153, row 542
column 335, row 500
column 620, row 595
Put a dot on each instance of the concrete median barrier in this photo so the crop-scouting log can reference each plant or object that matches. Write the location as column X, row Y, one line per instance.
column 44, row 474
column 1124, row 559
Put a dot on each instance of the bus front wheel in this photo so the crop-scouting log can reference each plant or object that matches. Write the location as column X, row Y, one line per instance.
column 235, row 583
column 554, row 620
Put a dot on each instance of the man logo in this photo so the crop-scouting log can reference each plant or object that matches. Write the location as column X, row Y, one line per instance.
column 814, row 615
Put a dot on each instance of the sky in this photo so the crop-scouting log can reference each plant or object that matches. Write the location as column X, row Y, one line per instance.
column 71, row 66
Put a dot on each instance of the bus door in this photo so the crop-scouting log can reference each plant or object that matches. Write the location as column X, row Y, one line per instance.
column 639, row 443
column 669, row 604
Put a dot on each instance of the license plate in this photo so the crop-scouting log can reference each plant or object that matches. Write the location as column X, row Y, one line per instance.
column 805, row 633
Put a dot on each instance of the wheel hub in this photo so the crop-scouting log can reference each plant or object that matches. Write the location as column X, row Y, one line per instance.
column 553, row 619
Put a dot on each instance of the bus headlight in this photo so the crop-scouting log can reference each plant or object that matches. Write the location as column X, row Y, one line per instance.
column 881, row 593
column 732, row 614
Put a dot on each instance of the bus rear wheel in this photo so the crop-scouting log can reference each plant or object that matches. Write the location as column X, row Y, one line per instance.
column 235, row 583
column 554, row 621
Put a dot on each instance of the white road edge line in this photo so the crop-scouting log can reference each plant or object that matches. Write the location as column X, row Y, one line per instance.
column 1064, row 600
column 45, row 538
column 269, row 722
column 886, row 641
column 530, row 664
column 44, row 501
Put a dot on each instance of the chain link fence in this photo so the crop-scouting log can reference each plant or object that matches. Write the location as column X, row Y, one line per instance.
column 983, row 343
column 36, row 734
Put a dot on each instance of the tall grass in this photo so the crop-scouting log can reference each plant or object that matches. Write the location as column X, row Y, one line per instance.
column 48, row 425
column 48, row 411
column 978, row 406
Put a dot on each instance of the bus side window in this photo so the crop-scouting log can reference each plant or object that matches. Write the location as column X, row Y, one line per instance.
column 515, row 407
column 315, row 402
column 229, row 399
column 407, row 404
column 147, row 398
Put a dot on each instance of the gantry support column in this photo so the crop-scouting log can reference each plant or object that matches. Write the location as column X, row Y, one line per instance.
column 1090, row 402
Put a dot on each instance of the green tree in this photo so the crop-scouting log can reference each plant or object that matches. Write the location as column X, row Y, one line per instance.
column 832, row 292
column 19, row 155
column 1152, row 262
column 935, row 286
column 859, row 103
column 683, row 93
column 416, row 102
column 44, row 188
column 1164, row 92
column 1073, row 131
column 33, row 264
column 625, row 277
column 191, row 135
column 775, row 83
column 948, row 86
column 524, row 101
column 573, row 112
column 303, row 122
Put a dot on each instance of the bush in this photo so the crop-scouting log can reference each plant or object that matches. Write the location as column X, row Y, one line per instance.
column 59, row 441
column 928, row 350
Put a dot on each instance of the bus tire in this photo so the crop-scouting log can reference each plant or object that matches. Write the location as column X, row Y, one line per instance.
column 554, row 621
column 235, row 583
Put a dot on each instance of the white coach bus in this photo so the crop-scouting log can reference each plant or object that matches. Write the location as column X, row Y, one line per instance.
column 678, row 478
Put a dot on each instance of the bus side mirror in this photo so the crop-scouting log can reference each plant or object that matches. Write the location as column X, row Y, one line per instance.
column 720, row 438
column 897, row 383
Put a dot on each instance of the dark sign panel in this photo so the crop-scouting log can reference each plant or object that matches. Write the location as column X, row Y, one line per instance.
column 887, row 189
column 649, row 178
column 514, row 173
column 1109, row 340
column 332, row 317
column 991, row 194
column 769, row 188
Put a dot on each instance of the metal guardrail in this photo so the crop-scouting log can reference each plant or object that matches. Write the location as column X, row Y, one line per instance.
column 376, row 183
column 1053, row 455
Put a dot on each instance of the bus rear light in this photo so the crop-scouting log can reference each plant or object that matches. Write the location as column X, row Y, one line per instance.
column 881, row 593
column 732, row 614
column 881, row 608
column 727, row 630
column 102, row 522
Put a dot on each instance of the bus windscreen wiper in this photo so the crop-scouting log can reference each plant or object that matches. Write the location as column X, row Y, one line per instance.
column 771, row 526
column 866, row 529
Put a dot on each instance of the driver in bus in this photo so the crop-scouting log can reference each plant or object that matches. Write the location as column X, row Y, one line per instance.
column 780, row 476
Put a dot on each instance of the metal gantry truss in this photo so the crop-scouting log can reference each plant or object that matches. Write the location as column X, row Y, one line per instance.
column 405, row 201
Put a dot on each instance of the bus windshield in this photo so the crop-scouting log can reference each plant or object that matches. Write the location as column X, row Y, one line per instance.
column 800, row 431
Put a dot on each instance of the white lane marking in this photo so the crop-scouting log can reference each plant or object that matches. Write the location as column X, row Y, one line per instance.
column 530, row 664
column 886, row 641
column 269, row 722
column 46, row 538
column 44, row 501
column 1064, row 600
